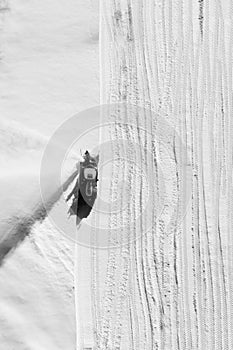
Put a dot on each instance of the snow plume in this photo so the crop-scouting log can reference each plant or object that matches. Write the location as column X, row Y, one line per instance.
column 18, row 226
column 15, row 137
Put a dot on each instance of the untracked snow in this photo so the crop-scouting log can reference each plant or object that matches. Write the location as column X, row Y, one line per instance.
column 49, row 55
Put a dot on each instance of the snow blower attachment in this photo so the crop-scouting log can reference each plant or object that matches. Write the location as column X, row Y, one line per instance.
column 85, row 190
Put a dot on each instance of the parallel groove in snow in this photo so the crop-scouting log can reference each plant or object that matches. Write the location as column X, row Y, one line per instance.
column 174, row 58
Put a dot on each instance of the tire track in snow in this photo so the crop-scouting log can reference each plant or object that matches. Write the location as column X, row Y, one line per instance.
column 186, row 66
column 229, row 178
column 209, row 319
column 146, row 244
column 109, row 296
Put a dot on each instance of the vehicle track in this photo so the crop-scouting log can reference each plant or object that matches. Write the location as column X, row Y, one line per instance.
column 177, row 63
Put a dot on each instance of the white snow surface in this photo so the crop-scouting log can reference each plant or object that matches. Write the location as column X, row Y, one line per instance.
column 48, row 72
column 169, row 286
